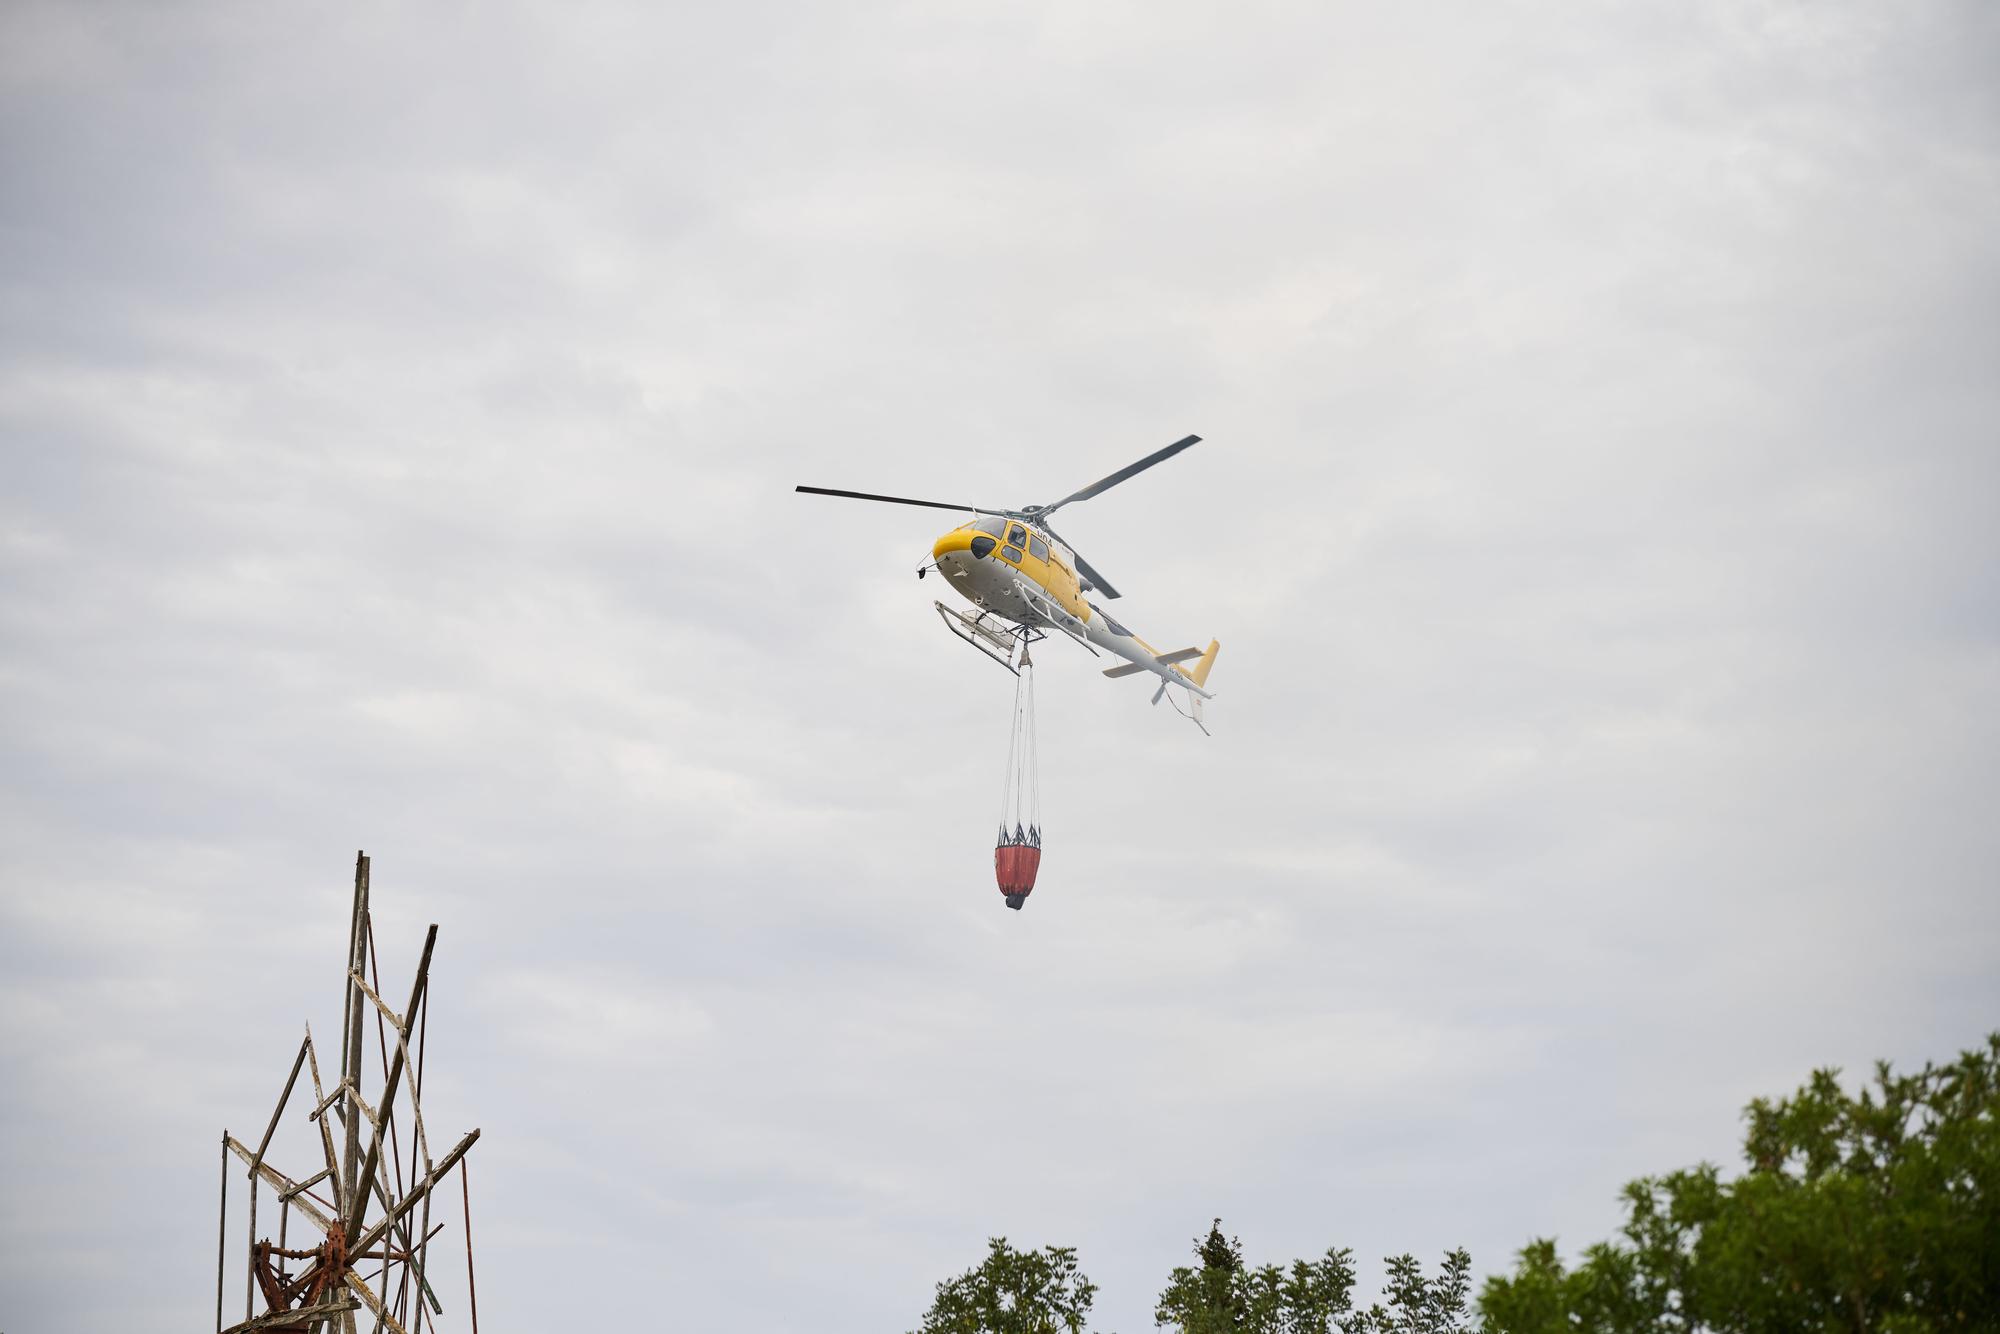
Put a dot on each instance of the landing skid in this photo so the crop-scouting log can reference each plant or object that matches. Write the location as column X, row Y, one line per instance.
column 1005, row 643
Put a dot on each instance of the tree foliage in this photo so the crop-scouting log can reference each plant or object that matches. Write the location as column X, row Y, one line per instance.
column 1014, row 1292
column 1878, row 1211
column 1224, row 1296
column 1418, row 1305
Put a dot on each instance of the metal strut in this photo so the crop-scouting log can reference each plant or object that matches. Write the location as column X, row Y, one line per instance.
column 1005, row 644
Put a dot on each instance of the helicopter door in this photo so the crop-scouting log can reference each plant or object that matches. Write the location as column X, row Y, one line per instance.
column 1017, row 538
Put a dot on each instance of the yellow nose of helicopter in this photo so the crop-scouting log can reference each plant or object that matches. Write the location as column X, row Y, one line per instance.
column 958, row 539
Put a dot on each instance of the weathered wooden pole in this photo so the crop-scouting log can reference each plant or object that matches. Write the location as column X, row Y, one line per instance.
column 319, row 1118
column 471, row 1288
column 367, row 1176
column 257, row 1161
column 250, row 1269
column 420, row 1144
column 350, row 1053
column 409, row 1202
column 283, row 1098
column 222, row 1233
column 350, row 1050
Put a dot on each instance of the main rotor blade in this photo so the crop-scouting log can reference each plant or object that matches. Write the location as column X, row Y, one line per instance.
column 1124, row 474
column 1098, row 582
column 895, row 500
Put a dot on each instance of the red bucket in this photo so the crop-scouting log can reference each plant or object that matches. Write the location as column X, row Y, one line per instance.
column 1014, row 866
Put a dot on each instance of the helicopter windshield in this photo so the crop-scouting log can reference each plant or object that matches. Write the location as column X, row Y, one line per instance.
column 991, row 524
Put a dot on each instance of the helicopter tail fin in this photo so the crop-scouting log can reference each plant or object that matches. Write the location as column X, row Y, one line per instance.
column 1201, row 667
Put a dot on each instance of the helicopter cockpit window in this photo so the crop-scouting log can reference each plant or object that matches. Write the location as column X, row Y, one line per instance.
column 991, row 525
column 1038, row 548
column 1018, row 536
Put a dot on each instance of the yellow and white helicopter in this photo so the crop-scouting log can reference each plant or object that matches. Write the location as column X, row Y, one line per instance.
column 1024, row 579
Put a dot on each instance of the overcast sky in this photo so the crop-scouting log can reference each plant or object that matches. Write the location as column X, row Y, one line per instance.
column 401, row 407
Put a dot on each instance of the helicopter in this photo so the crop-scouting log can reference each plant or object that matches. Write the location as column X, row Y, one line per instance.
column 1026, row 580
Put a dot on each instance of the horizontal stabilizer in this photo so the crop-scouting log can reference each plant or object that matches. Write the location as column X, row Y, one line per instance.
column 1164, row 659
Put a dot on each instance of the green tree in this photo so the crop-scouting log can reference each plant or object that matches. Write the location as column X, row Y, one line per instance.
column 1418, row 1305
column 1014, row 1292
column 1213, row 1299
column 1876, row 1211
column 1602, row 1296
column 1224, row 1296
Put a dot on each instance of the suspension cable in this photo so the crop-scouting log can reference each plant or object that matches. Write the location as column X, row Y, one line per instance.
column 1020, row 786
